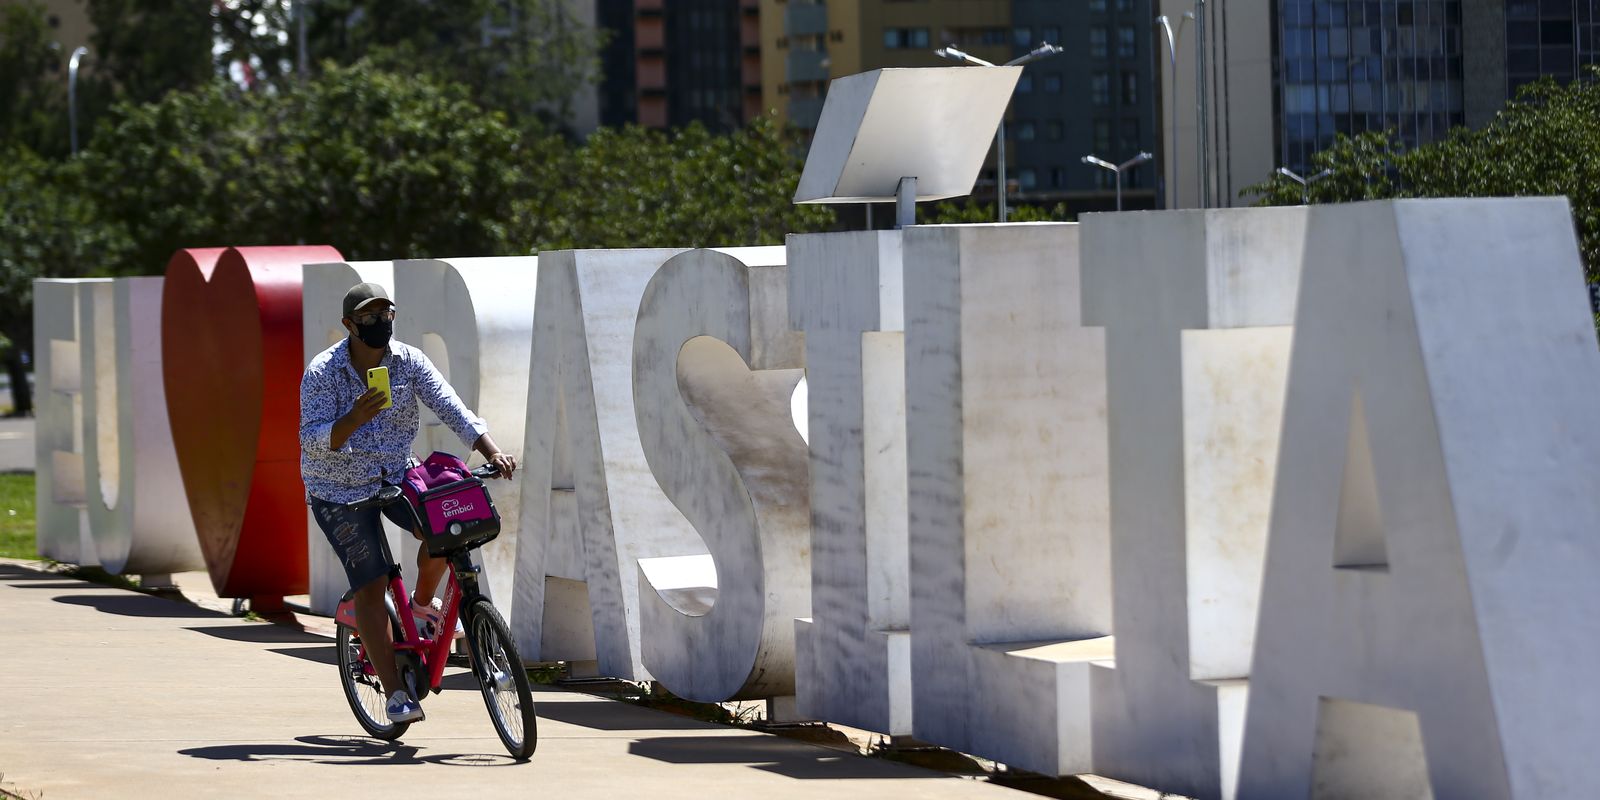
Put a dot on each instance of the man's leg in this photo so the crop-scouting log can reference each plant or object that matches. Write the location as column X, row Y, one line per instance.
column 372, row 621
column 430, row 571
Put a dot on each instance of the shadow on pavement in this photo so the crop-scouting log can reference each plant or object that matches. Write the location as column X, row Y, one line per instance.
column 348, row 750
column 771, row 754
column 133, row 604
column 11, row 572
column 36, row 583
column 262, row 633
column 318, row 655
column 612, row 715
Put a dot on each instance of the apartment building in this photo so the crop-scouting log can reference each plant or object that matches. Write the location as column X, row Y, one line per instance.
column 668, row 63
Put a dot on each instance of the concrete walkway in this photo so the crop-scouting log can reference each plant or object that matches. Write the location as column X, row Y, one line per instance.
column 110, row 693
column 16, row 445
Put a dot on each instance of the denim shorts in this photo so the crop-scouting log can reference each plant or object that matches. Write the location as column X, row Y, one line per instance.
column 357, row 537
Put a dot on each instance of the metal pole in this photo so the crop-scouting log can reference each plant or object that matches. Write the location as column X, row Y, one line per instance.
column 1201, row 121
column 1119, row 189
column 905, row 204
column 72, row 94
column 1173, row 200
column 1000, row 156
column 300, row 36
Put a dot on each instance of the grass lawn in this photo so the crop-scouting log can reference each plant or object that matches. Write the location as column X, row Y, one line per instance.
column 17, row 538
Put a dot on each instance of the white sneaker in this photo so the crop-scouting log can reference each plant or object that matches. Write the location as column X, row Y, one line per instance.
column 402, row 708
column 430, row 617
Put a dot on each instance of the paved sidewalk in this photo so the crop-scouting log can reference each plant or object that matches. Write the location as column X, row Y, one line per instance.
column 16, row 444
column 110, row 693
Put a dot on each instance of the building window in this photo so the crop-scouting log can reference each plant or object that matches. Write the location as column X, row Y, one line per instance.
column 1127, row 42
column 1053, row 130
column 1130, row 88
column 905, row 38
column 1058, row 177
column 1124, row 5
column 1097, row 5
column 1025, row 84
column 1027, row 179
column 1100, row 89
column 1052, row 83
column 1026, row 132
column 1099, row 39
column 1102, row 136
column 1051, row 34
column 1022, row 37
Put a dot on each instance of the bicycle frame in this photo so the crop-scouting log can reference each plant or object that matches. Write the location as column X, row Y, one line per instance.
column 435, row 653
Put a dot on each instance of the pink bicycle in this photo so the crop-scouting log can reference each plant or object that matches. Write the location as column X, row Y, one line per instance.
column 454, row 522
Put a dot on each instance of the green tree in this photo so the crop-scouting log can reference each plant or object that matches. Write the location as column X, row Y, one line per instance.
column 378, row 164
column 48, row 228
column 525, row 58
column 1545, row 142
column 971, row 211
column 142, row 49
column 635, row 187
column 32, row 81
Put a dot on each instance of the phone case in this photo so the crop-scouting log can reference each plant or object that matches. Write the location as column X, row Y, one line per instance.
column 378, row 378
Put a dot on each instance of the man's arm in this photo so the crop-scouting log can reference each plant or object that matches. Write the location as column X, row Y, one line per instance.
column 436, row 393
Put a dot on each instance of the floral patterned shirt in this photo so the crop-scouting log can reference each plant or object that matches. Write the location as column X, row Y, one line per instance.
column 380, row 449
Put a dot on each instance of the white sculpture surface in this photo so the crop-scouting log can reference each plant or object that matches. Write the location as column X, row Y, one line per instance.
column 854, row 652
column 473, row 317
column 61, row 509
column 591, row 508
column 1009, row 537
column 1195, row 306
column 138, row 514
column 322, row 298
column 714, row 370
column 1428, row 613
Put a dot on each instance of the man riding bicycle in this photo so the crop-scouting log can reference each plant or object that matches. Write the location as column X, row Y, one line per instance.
column 351, row 445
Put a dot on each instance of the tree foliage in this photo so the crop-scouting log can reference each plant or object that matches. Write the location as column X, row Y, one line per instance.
column 382, row 165
column 33, row 104
column 1545, row 142
column 524, row 58
column 635, row 187
column 48, row 228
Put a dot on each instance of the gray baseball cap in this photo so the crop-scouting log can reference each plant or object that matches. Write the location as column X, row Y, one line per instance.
column 361, row 295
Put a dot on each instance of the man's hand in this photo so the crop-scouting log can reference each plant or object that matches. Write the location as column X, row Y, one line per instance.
column 506, row 462
column 367, row 406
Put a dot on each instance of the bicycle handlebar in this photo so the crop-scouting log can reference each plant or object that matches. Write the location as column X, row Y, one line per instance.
column 391, row 494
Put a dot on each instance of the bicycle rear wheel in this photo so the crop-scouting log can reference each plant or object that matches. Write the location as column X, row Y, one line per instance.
column 361, row 688
column 502, row 679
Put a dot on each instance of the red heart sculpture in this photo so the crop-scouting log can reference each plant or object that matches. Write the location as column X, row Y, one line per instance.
column 232, row 360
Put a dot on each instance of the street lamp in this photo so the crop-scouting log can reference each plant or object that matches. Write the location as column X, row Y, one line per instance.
column 1172, row 60
column 1305, row 183
column 1118, row 169
column 72, row 94
column 953, row 53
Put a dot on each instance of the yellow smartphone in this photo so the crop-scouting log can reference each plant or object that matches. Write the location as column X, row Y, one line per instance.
column 378, row 378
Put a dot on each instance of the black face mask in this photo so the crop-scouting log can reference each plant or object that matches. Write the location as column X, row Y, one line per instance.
column 376, row 335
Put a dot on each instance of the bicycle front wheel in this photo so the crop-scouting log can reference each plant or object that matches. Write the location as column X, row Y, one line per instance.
column 361, row 688
column 502, row 679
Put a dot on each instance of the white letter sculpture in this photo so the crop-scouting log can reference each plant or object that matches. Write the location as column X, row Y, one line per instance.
column 109, row 489
column 1428, row 617
column 714, row 370
column 854, row 652
column 138, row 512
column 591, row 507
column 474, row 319
column 61, row 509
column 1010, row 550
column 1196, row 306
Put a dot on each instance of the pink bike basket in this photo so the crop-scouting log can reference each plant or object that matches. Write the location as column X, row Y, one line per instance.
column 453, row 508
